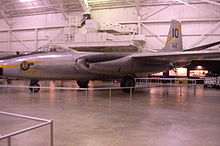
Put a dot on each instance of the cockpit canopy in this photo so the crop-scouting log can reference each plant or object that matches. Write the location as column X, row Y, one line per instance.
column 53, row 48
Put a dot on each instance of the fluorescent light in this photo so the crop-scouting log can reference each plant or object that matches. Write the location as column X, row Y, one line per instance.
column 23, row 1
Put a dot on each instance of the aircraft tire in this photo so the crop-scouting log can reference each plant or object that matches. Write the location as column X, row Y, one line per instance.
column 35, row 90
column 9, row 81
column 128, row 82
column 82, row 84
column 35, row 85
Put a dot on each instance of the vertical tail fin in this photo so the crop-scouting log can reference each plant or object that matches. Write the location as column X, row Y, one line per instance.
column 174, row 39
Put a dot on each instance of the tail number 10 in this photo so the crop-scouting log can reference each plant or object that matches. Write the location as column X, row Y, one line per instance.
column 175, row 32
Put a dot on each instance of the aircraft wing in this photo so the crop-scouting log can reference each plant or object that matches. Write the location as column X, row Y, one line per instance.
column 4, row 54
column 176, row 56
column 203, row 47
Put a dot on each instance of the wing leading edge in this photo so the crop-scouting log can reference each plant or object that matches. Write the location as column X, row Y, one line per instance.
column 203, row 47
column 176, row 56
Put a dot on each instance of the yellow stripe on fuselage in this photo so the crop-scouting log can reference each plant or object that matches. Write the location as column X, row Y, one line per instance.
column 10, row 66
column 33, row 69
column 34, row 61
column 6, row 66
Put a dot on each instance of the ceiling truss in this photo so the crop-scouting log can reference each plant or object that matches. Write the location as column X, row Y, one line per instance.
column 13, row 8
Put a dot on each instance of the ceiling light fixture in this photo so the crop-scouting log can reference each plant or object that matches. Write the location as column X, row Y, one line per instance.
column 23, row 1
column 199, row 67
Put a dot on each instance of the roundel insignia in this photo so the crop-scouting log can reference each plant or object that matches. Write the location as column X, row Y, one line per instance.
column 24, row 65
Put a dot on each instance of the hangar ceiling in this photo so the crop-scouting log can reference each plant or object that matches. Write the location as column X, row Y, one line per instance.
column 13, row 8
column 205, row 20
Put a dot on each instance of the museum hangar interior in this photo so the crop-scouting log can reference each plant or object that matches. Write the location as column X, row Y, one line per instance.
column 103, row 72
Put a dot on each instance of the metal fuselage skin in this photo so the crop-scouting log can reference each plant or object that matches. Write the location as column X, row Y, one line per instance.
column 46, row 66
column 68, row 66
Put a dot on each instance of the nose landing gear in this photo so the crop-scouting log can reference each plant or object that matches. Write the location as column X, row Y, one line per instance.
column 35, row 85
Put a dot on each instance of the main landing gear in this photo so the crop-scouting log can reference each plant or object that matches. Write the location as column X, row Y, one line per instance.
column 128, row 81
column 82, row 84
column 9, row 81
column 34, row 83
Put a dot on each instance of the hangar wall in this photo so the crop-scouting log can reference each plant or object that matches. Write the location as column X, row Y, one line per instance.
column 201, row 24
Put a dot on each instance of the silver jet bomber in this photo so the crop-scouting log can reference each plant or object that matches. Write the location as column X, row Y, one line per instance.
column 57, row 63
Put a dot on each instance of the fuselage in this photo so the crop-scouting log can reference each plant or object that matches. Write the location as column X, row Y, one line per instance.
column 52, row 66
column 68, row 66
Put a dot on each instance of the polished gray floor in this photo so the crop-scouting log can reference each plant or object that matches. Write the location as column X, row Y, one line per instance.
column 161, row 115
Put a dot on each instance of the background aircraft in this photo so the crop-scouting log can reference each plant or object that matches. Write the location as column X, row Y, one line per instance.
column 57, row 63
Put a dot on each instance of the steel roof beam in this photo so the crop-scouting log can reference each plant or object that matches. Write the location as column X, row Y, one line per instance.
column 36, row 7
column 156, row 12
column 103, row 6
column 8, row 22
column 61, row 9
column 180, row 1
column 151, row 32
column 211, row 2
column 204, row 35
column 85, row 6
column 194, row 7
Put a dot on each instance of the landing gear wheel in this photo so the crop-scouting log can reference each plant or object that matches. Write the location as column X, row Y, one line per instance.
column 35, row 85
column 82, row 84
column 9, row 81
column 35, row 89
column 128, row 82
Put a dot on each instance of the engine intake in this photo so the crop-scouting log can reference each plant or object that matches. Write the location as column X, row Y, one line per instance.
column 83, row 64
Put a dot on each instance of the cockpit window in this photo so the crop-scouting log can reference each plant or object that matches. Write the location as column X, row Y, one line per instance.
column 53, row 48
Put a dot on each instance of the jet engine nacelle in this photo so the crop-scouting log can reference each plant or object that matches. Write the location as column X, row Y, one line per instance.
column 114, row 67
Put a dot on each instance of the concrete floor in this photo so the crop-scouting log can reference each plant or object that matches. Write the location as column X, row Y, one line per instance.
column 183, row 117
